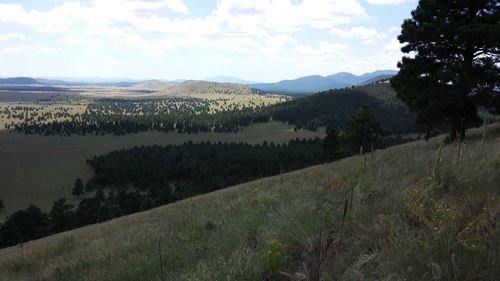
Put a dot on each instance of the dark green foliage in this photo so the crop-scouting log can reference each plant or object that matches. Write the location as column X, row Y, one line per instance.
column 99, row 195
column 198, row 168
column 78, row 188
column 335, row 107
column 361, row 130
column 62, row 216
column 364, row 130
column 456, row 64
column 331, row 146
column 87, row 212
column 24, row 225
column 2, row 206
column 147, row 203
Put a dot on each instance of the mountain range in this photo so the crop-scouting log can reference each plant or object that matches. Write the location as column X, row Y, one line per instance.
column 302, row 85
column 318, row 83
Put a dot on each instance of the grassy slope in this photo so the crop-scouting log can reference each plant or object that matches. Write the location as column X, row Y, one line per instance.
column 381, row 240
column 41, row 169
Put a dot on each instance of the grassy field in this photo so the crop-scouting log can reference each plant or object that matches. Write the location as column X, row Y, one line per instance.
column 55, row 108
column 418, row 211
column 41, row 169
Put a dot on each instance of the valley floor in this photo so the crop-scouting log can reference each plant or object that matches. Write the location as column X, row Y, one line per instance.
column 40, row 169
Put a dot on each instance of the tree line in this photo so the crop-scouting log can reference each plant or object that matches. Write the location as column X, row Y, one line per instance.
column 140, row 178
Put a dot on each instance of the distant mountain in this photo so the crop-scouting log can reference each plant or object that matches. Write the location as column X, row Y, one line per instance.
column 98, row 80
column 345, row 78
column 369, row 76
column 380, row 78
column 18, row 81
column 317, row 83
column 91, row 81
column 308, row 84
column 229, row 79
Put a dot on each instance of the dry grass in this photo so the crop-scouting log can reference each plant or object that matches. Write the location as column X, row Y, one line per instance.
column 381, row 242
column 72, row 109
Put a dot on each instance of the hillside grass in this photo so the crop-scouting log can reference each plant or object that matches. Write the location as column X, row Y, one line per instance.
column 415, row 213
column 41, row 169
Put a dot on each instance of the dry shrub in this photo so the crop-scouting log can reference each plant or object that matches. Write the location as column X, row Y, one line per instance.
column 471, row 222
column 426, row 210
column 333, row 183
column 481, row 227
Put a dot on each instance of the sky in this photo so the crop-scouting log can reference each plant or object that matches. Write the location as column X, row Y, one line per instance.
column 259, row 40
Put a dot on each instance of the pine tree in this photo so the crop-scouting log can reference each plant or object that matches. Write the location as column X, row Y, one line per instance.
column 331, row 145
column 363, row 129
column 78, row 188
column 455, row 68
column 62, row 216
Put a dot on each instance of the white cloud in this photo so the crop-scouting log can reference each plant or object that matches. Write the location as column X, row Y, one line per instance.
column 12, row 36
column 323, row 57
column 75, row 39
column 229, row 15
column 24, row 49
column 59, row 19
column 62, row 18
column 368, row 35
column 16, row 50
column 393, row 45
column 389, row 2
column 284, row 16
column 127, row 6
column 261, row 26
column 270, row 33
column 395, row 29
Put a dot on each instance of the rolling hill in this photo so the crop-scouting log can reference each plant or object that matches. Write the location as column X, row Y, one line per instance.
column 195, row 88
column 317, row 83
column 411, row 212
column 152, row 85
column 334, row 107
column 18, row 81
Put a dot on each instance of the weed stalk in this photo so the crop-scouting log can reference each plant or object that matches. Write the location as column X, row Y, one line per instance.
column 343, row 221
column 161, row 262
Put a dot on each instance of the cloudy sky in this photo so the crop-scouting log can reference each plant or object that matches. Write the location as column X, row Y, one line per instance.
column 261, row 40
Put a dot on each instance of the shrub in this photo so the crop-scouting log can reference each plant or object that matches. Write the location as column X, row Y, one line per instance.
column 273, row 257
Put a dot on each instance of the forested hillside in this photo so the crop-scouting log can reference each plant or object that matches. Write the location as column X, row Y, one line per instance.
column 419, row 211
column 334, row 107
